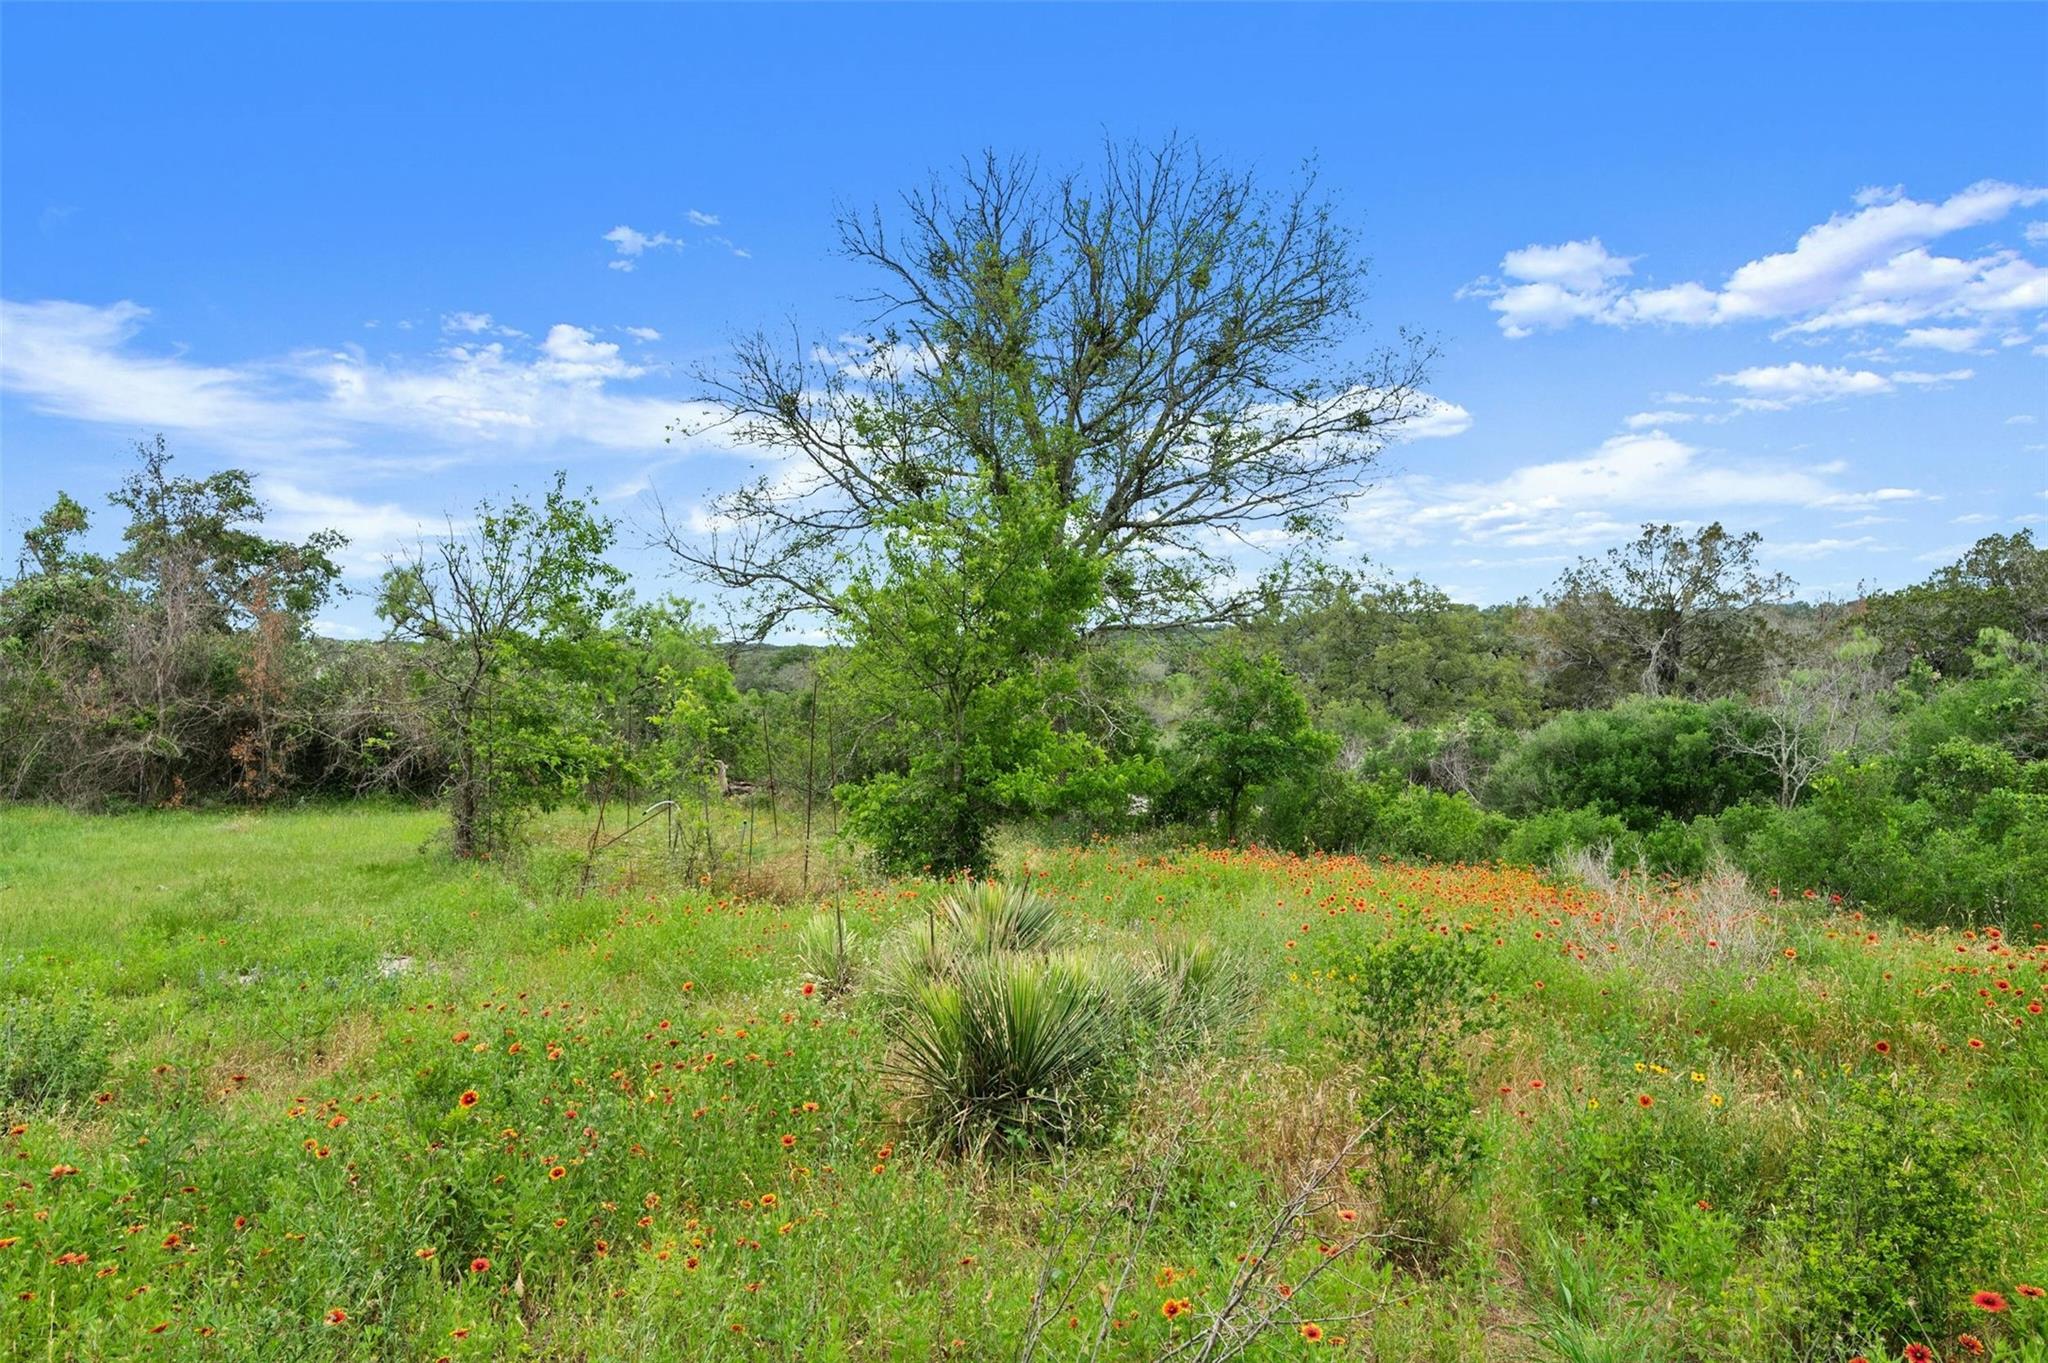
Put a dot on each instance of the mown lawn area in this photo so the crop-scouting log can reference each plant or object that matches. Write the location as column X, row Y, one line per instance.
column 296, row 1085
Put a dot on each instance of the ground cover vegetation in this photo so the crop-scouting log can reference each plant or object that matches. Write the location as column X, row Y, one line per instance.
column 1087, row 952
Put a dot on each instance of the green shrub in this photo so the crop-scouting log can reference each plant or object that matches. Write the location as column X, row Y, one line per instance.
column 1386, row 815
column 51, row 1054
column 1644, row 760
column 1884, row 1214
column 1008, row 1049
column 1405, row 1004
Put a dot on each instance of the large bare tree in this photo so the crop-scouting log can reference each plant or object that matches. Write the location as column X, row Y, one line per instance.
column 1166, row 347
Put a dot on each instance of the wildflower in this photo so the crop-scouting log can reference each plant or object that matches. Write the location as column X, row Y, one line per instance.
column 557, row 1172
column 468, row 1098
column 1976, row 1043
column 1988, row 1301
column 1346, row 1215
column 2031, row 1292
column 810, row 988
column 788, row 1142
column 1173, row 1307
column 1312, row 1332
column 1918, row 1353
column 423, row 1253
column 479, row 1265
column 1971, row 1344
column 1883, row 1048
column 1644, row 1100
column 336, row 1316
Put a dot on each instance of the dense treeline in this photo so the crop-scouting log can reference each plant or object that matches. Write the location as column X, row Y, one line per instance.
column 1660, row 706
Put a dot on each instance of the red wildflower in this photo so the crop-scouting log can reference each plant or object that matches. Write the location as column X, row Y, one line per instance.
column 1883, row 1048
column 468, row 1098
column 336, row 1316
column 1918, row 1353
column 1644, row 1100
column 2028, row 1290
column 1312, row 1332
column 1987, row 1301
column 479, row 1265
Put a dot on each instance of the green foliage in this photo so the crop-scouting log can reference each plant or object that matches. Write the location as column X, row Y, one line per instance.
column 1643, row 760
column 1251, row 727
column 1005, row 1049
column 52, row 1054
column 1388, row 816
column 2001, row 583
column 965, row 642
column 1400, row 650
column 507, row 623
column 1666, row 615
column 1406, row 1004
column 1884, row 1214
column 1952, row 826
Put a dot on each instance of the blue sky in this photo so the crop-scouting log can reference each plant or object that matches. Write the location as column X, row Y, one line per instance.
column 1787, row 268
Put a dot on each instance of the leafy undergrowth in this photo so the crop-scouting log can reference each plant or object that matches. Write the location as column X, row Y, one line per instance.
column 295, row 1086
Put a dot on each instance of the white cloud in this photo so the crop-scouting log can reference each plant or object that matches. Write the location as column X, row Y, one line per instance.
column 643, row 333
column 2023, row 419
column 1820, row 548
column 1777, row 386
column 1435, row 420
column 1870, row 267
column 631, row 244
column 701, row 219
column 319, row 409
column 1648, row 420
column 1577, row 265
column 1597, row 498
column 1956, row 339
column 2037, row 232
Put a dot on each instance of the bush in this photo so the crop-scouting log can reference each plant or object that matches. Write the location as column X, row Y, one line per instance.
column 1387, row 815
column 999, row 1039
column 1406, row 1004
column 1883, row 1214
column 1008, row 1049
column 1644, row 761
column 50, row 1054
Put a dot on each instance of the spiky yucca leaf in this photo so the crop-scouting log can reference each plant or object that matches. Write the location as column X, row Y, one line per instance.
column 823, row 955
column 987, row 916
column 1007, row 1049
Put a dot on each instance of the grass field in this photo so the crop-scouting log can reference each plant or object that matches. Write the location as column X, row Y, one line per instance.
column 296, row 1086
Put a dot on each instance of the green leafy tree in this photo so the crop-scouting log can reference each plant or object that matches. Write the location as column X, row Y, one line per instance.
column 1401, row 649
column 1666, row 615
column 1166, row 348
column 2000, row 583
column 139, row 674
column 507, row 619
column 1252, row 727
column 965, row 643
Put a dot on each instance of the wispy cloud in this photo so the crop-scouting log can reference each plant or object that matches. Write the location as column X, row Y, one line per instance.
column 1602, row 496
column 631, row 243
column 469, row 401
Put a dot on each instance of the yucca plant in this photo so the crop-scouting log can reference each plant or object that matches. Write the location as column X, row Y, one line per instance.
column 1190, row 992
column 826, row 952
column 985, row 915
column 1007, row 1048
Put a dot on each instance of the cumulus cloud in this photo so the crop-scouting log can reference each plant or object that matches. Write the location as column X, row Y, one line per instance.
column 1869, row 267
